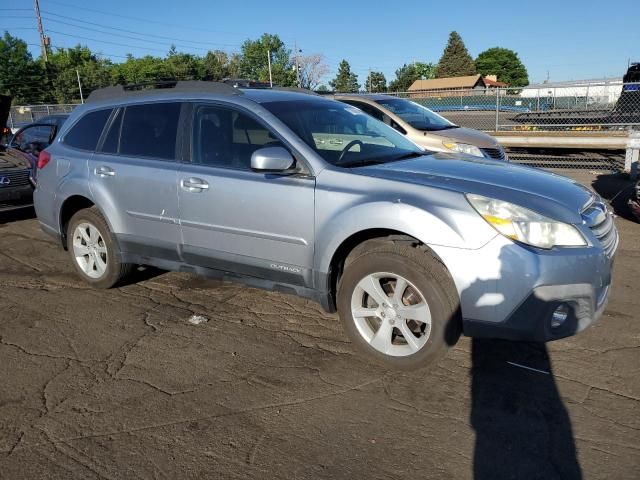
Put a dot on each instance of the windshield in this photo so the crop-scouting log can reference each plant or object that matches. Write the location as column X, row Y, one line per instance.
column 341, row 134
column 416, row 115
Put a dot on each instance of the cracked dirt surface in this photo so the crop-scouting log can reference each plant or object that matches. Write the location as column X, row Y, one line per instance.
column 118, row 384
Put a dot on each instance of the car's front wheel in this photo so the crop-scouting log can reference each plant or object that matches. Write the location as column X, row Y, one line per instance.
column 93, row 250
column 398, row 304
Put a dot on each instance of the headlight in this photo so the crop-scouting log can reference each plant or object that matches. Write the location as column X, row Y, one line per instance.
column 463, row 148
column 524, row 225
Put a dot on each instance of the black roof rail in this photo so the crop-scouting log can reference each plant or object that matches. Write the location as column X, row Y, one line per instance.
column 189, row 86
column 295, row 89
column 245, row 83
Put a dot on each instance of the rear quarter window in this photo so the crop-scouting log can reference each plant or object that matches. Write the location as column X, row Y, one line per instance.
column 84, row 135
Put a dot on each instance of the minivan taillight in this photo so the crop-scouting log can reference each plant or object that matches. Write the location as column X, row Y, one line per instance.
column 43, row 159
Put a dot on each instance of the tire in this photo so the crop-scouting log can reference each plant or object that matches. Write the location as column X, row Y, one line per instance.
column 634, row 202
column 102, row 250
column 427, row 281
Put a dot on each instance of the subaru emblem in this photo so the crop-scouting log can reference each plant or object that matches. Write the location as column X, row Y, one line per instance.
column 4, row 181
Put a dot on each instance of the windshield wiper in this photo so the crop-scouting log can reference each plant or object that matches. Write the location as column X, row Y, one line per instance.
column 360, row 163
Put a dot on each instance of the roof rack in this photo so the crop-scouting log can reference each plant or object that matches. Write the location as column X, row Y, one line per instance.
column 172, row 86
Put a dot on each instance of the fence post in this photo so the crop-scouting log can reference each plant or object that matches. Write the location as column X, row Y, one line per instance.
column 48, row 110
column 632, row 154
column 497, row 108
column 586, row 100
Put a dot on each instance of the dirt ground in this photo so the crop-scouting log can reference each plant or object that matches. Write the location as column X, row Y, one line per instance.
column 119, row 384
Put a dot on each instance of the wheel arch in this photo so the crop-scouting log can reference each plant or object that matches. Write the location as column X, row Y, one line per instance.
column 357, row 240
column 69, row 207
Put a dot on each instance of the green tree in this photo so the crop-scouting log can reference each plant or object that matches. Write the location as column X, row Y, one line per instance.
column 505, row 64
column 21, row 77
column 254, row 63
column 407, row 74
column 215, row 65
column 346, row 81
column 455, row 60
column 66, row 64
column 140, row 70
column 376, row 82
column 184, row 66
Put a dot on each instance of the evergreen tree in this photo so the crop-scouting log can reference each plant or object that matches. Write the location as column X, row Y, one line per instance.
column 376, row 82
column 455, row 60
column 346, row 81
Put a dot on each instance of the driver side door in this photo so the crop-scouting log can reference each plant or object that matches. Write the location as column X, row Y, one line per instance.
column 238, row 220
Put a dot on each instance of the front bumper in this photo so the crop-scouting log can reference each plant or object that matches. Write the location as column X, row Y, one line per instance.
column 16, row 197
column 510, row 291
column 532, row 321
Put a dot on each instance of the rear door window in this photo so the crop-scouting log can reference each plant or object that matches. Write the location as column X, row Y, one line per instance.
column 150, row 130
column 112, row 140
column 84, row 135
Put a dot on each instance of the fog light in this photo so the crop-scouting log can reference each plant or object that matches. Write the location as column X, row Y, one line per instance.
column 560, row 315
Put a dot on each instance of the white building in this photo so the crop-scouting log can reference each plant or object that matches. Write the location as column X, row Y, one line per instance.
column 605, row 91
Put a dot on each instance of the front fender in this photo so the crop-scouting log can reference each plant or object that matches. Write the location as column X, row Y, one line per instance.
column 457, row 228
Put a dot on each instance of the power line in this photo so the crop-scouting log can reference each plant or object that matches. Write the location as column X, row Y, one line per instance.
column 162, row 37
column 120, row 35
column 106, row 41
column 138, row 19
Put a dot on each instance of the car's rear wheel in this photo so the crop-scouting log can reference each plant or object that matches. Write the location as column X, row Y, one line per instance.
column 93, row 250
column 398, row 304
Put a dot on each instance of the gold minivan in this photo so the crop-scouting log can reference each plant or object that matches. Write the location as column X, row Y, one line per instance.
column 425, row 127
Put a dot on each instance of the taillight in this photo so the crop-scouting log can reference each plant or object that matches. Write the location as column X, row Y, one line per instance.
column 43, row 159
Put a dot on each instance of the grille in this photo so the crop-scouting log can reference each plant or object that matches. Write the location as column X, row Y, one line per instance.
column 495, row 153
column 17, row 178
column 600, row 221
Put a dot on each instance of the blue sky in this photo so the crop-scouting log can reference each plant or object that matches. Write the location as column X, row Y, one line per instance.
column 570, row 39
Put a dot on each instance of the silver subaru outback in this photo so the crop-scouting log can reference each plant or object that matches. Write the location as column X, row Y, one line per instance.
column 297, row 193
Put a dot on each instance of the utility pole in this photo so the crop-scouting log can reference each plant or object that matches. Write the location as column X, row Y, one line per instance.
column 369, row 80
column 79, row 86
column 269, row 60
column 295, row 49
column 44, row 40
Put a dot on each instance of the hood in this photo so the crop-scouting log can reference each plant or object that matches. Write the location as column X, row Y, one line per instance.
column 549, row 194
column 466, row 135
column 12, row 159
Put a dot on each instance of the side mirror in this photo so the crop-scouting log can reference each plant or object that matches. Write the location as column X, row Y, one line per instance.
column 271, row 159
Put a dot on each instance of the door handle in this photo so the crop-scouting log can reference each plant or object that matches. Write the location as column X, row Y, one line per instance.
column 103, row 171
column 194, row 184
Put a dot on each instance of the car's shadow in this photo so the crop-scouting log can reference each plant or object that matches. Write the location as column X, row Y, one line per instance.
column 141, row 273
column 25, row 213
column 522, row 427
column 617, row 188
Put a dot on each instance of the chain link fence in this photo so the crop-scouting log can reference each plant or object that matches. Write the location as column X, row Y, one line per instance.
column 22, row 115
column 577, row 107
